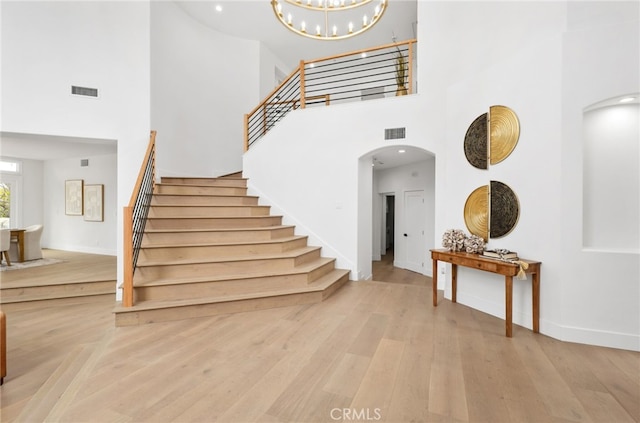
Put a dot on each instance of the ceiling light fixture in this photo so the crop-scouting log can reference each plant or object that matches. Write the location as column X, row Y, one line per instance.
column 329, row 19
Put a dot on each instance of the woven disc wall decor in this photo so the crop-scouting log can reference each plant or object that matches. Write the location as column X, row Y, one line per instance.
column 476, row 212
column 505, row 209
column 475, row 143
column 504, row 131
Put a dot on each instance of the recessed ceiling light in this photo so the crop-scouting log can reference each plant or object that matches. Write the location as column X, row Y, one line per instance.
column 218, row 8
column 401, row 151
column 627, row 99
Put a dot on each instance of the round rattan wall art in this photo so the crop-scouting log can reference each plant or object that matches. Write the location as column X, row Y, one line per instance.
column 504, row 131
column 491, row 211
column 491, row 137
column 475, row 143
column 476, row 212
column 504, row 209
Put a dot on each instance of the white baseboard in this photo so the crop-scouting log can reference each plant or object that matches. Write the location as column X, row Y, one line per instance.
column 588, row 336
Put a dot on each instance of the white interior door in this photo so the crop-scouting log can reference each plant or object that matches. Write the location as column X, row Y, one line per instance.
column 414, row 226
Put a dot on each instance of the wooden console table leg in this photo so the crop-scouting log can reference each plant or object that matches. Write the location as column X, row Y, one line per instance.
column 508, row 288
column 535, row 287
column 434, row 281
column 454, row 283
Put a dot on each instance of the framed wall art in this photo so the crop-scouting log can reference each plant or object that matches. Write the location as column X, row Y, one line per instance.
column 73, row 190
column 94, row 203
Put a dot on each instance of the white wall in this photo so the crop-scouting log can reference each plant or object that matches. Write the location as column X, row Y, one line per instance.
column 318, row 179
column 73, row 233
column 203, row 82
column 268, row 64
column 524, row 56
column 600, row 290
column 49, row 46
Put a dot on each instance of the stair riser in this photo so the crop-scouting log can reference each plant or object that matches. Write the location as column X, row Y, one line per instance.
column 334, row 287
column 178, row 238
column 214, row 223
column 206, row 252
column 207, row 211
column 199, row 190
column 220, row 288
column 201, row 310
column 203, row 200
column 231, row 268
column 49, row 292
column 222, row 182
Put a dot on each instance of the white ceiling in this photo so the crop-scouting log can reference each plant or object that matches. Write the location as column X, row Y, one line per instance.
column 255, row 20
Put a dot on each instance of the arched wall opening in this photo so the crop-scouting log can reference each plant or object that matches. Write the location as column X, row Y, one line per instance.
column 403, row 176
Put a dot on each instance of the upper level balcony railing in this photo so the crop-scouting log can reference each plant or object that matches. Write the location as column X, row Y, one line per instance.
column 377, row 72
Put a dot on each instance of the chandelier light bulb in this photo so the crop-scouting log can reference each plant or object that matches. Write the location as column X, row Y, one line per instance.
column 318, row 30
column 335, row 30
column 350, row 27
column 289, row 18
column 364, row 20
column 303, row 26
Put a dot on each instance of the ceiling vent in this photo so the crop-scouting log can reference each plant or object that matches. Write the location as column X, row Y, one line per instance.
column 84, row 162
column 84, row 91
column 394, row 133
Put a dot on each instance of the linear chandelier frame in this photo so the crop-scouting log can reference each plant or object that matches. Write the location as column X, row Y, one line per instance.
column 321, row 11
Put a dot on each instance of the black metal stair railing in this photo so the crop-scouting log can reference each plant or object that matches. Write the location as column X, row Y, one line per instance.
column 135, row 218
column 379, row 72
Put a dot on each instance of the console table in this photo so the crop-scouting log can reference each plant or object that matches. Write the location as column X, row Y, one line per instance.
column 500, row 267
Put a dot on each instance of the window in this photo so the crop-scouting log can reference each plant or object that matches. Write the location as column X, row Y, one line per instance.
column 9, row 183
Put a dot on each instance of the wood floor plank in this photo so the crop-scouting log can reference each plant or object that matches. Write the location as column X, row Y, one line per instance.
column 382, row 371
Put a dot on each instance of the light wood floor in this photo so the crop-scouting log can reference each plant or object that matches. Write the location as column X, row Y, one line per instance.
column 374, row 351
column 73, row 267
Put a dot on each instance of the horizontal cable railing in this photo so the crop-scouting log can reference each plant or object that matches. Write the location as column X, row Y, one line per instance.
column 135, row 218
column 378, row 72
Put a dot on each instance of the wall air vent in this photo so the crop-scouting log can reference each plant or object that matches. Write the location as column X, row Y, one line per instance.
column 87, row 92
column 84, row 162
column 394, row 133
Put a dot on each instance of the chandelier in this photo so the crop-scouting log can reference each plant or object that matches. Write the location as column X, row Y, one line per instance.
column 329, row 19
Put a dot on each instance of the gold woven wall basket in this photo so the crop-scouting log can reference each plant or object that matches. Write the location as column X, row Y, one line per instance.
column 491, row 137
column 491, row 211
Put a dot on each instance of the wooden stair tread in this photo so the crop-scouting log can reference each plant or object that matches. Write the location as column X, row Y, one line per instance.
column 248, row 206
column 175, row 184
column 223, row 244
column 300, row 269
column 188, row 194
column 263, row 256
column 257, row 228
column 317, row 286
column 35, row 283
column 270, row 216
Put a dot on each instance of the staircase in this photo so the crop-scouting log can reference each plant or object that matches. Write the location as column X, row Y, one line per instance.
column 210, row 249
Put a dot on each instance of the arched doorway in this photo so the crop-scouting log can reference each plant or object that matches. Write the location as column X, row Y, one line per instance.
column 402, row 177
